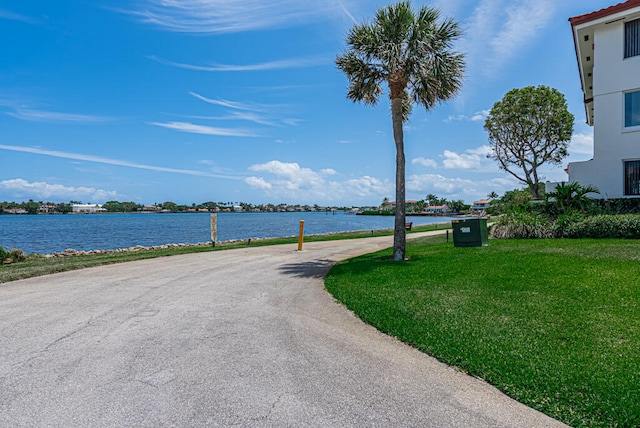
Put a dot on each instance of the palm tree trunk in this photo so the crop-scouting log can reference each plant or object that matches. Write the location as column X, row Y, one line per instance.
column 399, row 231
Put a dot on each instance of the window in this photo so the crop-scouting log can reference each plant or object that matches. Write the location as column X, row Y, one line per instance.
column 632, row 178
column 632, row 109
column 632, row 38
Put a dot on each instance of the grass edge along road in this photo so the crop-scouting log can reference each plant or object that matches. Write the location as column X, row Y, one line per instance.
column 554, row 324
column 38, row 265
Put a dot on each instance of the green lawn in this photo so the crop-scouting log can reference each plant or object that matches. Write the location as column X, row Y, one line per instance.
column 552, row 323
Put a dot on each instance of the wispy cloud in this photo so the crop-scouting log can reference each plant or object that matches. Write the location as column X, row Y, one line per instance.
column 19, row 187
column 50, row 116
column 500, row 30
column 7, row 14
column 247, row 112
column 233, row 104
column 204, row 130
column 109, row 161
column 263, row 66
column 229, row 16
column 346, row 11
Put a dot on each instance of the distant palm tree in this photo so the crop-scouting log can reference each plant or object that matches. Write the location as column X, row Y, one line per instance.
column 412, row 53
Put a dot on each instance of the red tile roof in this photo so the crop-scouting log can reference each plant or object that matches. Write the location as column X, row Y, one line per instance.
column 620, row 7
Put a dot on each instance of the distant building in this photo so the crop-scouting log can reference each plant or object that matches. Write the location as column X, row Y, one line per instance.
column 87, row 208
column 607, row 45
column 437, row 209
column 16, row 211
column 481, row 205
column 151, row 209
column 47, row 209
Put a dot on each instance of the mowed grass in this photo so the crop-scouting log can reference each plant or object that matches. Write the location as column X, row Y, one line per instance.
column 554, row 324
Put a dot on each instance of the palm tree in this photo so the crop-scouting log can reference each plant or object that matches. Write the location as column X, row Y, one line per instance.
column 412, row 53
column 571, row 196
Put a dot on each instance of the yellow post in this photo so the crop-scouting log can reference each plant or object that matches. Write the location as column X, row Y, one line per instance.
column 301, row 236
column 214, row 229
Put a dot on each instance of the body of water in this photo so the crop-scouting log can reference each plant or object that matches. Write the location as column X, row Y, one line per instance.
column 50, row 233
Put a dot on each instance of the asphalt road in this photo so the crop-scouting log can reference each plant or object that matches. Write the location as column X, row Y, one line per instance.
column 244, row 337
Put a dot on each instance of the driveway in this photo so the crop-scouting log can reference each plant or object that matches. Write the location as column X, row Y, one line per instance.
column 245, row 337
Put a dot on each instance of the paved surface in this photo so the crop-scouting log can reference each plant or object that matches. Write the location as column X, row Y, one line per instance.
column 244, row 337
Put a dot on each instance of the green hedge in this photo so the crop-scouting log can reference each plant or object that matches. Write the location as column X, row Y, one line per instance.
column 570, row 225
column 626, row 226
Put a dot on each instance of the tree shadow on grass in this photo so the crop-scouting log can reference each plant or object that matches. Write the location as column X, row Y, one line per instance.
column 311, row 269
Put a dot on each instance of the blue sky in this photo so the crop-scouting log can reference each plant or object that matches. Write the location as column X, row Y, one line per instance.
column 226, row 100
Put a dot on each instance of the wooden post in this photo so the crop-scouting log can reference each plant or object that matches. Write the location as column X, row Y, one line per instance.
column 214, row 229
column 301, row 235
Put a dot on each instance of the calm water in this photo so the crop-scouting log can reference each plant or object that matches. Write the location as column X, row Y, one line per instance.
column 49, row 233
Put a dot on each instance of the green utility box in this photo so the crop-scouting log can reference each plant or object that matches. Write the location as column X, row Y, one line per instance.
column 470, row 232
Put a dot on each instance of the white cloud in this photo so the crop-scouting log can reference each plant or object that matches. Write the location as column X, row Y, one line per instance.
column 471, row 159
column 258, row 183
column 264, row 66
column 476, row 117
column 458, row 188
column 480, row 116
column 205, row 130
column 50, row 116
column 429, row 163
column 290, row 180
column 19, row 187
column 108, row 161
column 499, row 31
column 581, row 144
column 227, row 16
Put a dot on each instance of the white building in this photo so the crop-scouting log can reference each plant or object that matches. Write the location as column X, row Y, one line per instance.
column 87, row 208
column 607, row 44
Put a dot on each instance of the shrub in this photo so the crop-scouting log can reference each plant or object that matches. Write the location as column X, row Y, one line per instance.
column 523, row 224
column 626, row 226
column 620, row 206
column 13, row 254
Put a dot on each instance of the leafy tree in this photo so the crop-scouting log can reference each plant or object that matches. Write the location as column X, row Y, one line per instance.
column 170, row 206
column 63, row 208
column 434, row 200
column 32, row 207
column 528, row 128
column 457, row 206
column 410, row 52
column 421, row 205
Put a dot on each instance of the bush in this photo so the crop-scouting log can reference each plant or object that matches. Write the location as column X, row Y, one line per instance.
column 625, row 226
column 620, row 206
column 14, row 254
column 524, row 224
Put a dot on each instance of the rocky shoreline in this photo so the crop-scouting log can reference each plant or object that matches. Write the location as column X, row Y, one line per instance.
column 70, row 252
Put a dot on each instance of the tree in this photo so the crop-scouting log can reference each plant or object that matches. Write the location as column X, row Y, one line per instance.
column 528, row 128
column 412, row 53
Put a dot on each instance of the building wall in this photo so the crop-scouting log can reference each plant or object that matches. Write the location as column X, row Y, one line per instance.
column 612, row 76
